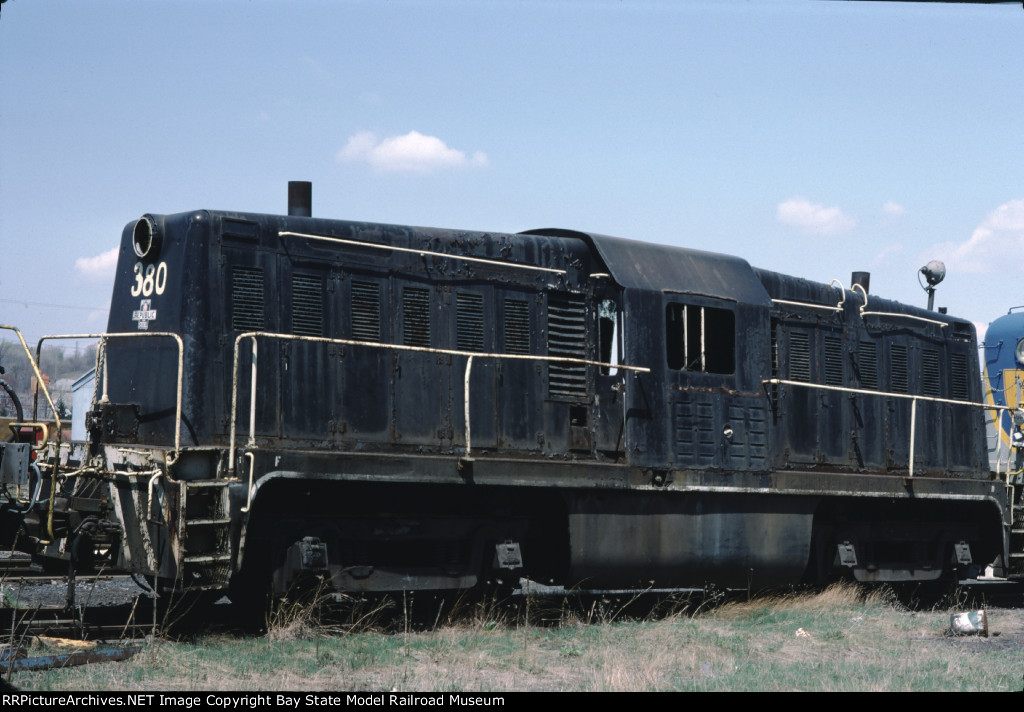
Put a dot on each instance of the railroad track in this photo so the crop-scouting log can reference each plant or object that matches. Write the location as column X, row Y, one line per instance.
column 43, row 611
column 119, row 622
column 104, row 606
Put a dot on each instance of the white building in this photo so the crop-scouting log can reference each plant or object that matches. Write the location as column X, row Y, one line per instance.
column 82, row 392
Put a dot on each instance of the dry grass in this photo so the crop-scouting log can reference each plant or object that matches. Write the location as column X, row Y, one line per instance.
column 837, row 640
column 839, row 595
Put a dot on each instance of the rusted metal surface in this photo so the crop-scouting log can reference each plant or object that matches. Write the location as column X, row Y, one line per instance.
column 81, row 657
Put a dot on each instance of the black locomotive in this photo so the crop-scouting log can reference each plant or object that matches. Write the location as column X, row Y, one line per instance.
column 398, row 408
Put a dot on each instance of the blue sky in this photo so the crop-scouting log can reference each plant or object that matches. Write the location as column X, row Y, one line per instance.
column 813, row 138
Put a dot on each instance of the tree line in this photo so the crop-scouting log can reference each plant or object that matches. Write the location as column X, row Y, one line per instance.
column 62, row 365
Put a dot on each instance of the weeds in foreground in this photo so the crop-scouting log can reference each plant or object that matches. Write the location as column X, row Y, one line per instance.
column 843, row 638
column 318, row 612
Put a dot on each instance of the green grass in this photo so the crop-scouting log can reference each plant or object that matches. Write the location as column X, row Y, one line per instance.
column 836, row 640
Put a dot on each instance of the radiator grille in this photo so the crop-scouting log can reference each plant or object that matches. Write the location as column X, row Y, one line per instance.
column 247, row 299
column 899, row 369
column 567, row 336
column 833, row 361
column 307, row 305
column 517, row 327
column 958, row 362
column 365, row 310
column 415, row 317
column 469, row 321
column 867, row 364
column 930, row 372
column 799, row 357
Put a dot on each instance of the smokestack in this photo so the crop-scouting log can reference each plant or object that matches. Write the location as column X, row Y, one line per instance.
column 863, row 279
column 300, row 198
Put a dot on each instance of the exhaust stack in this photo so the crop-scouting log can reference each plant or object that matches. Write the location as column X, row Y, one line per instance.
column 863, row 279
column 300, row 198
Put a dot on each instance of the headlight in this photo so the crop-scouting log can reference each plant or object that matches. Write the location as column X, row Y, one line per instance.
column 146, row 238
column 1019, row 351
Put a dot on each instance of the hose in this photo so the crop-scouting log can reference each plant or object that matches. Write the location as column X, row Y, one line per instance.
column 17, row 405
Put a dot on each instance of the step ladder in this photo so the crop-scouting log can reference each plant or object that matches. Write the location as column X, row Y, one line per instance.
column 206, row 533
column 1016, row 564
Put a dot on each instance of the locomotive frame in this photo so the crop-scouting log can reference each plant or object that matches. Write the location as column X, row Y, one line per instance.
column 394, row 408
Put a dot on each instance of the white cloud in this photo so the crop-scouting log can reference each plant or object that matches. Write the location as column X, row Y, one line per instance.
column 101, row 266
column 412, row 152
column 882, row 258
column 891, row 207
column 997, row 241
column 814, row 219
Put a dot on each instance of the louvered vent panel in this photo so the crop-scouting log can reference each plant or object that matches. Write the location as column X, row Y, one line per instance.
column 867, row 364
column 365, row 310
column 899, row 369
column 307, row 305
column 775, row 353
column 833, row 361
column 416, row 317
column 517, row 327
column 469, row 321
column 696, row 442
column 247, row 299
column 799, row 357
column 930, row 372
column 567, row 338
column 958, row 362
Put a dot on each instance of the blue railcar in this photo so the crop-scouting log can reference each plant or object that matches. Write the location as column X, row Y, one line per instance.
column 1003, row 380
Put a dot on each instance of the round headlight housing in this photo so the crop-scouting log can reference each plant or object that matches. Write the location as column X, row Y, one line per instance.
column 1019, row 351
column 146, row 238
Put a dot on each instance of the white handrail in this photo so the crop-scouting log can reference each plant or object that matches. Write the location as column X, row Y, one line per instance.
column 130, row 334
column 253, row 335
column 913, row 398
column 898, row 315
column 425, row 253
column 39, row 376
